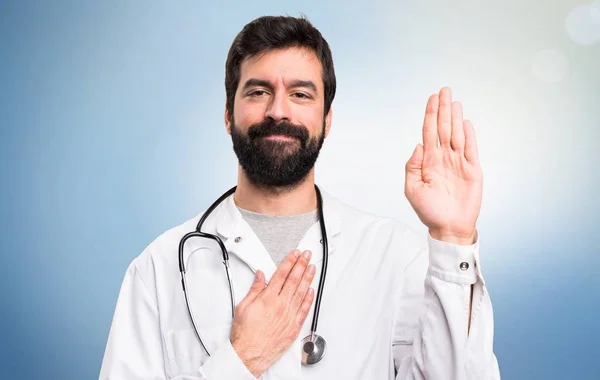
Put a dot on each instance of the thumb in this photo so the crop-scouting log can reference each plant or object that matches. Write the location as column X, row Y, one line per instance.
column 415, row 163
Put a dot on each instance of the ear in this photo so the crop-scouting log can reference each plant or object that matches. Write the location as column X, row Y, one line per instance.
column 328, row 121
column 228, row 120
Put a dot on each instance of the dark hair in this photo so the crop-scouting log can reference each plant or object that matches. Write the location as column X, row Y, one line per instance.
column 277, row 32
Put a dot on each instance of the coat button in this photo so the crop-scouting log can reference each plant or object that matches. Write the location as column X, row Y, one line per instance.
column 238, row 239
column 464, row 266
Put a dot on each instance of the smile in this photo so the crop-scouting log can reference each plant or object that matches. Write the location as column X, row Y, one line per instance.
column 280, row 138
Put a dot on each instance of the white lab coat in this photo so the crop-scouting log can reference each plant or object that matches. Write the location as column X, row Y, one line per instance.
column 392, row 301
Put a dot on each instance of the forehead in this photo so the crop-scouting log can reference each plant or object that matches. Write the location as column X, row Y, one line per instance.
column 295, row 63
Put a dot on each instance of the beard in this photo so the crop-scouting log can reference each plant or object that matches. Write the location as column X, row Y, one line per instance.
column 277, row 163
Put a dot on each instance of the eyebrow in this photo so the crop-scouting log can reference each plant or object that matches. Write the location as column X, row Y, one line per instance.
column 292, row 84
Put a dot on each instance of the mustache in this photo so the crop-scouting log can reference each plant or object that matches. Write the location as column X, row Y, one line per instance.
column 270, row 127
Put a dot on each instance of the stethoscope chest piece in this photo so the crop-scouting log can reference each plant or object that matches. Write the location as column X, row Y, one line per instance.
column 313, row 349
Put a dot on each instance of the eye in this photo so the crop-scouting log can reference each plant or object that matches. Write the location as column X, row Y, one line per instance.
column 256, row 93
column 301, row 95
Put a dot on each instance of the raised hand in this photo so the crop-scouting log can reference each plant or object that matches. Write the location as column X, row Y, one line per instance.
column 444, row 180
column 268, row 320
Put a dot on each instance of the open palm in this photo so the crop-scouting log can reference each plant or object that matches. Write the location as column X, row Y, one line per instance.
column 444, row 180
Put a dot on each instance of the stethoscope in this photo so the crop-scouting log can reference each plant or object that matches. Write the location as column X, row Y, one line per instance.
column 313, row 345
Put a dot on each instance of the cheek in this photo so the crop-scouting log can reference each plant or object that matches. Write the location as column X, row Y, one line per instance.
column 247, row 114
column 315, row 123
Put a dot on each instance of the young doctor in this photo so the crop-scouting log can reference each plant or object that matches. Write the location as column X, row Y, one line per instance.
column 325, row 291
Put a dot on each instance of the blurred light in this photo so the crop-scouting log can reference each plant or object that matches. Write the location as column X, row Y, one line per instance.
column 595, row 12
column 550, row 66
column 583, row 24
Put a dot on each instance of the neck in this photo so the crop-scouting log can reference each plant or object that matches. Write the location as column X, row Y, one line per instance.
column 299, row 199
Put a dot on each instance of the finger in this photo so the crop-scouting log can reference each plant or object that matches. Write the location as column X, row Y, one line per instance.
column 278, row 278
column 300, row 293
column 305, row 307
column 257, row 287
column 430, row 123
column 458, row 130
column 471, row 150
column 414, row 165
column 293, row 280
column 444, row 122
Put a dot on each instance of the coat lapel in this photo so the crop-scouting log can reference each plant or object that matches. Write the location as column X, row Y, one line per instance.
column 240, row 239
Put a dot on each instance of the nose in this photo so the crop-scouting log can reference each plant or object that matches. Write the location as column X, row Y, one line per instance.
column 278, row 108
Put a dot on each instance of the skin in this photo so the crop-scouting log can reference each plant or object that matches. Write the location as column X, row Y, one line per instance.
column 443, row 183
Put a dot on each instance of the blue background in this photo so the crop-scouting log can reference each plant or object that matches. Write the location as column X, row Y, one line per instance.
column 111, row 118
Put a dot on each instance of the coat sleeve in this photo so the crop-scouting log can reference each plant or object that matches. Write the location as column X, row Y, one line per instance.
column 431, row 338
column 135, row 349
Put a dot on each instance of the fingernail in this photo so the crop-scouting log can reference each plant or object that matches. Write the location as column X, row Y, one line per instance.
column 296, row 253
column 257, row 275
column 311, row 269
column 307, row 254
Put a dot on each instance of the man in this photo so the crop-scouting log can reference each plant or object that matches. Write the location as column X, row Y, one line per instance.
column 394, row 305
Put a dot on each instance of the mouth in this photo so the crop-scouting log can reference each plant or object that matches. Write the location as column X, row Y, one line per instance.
column 280, row 138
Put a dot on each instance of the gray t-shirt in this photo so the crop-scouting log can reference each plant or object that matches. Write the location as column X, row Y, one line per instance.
column 280, row 234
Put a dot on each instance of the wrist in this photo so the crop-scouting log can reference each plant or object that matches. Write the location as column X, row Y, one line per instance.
column 459, row 239
column 255, row 363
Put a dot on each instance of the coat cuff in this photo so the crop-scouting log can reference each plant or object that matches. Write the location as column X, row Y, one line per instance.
column 454, row 262
column 225, row 364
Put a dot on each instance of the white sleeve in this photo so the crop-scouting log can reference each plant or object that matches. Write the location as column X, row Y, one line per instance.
column 431, row 338
column 225, row 364
column 134, row 350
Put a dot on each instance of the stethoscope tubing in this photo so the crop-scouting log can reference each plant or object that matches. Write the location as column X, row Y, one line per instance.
column 199, row 233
